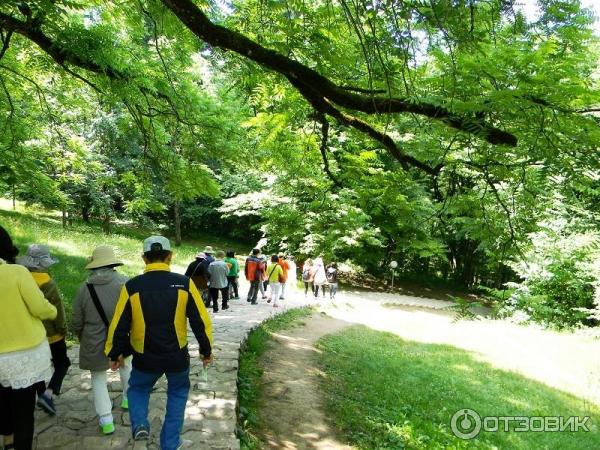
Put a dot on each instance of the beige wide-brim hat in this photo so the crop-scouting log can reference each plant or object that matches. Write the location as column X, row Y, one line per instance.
column 208, row 249
column 103, row 256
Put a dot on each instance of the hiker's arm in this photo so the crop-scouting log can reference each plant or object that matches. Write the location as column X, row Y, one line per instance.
column 53, row 295
column 78, row 320
column 36, row 303
column 199, row 321
column 120, row 326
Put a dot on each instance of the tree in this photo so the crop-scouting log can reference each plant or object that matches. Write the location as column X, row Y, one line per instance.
column 443, row 129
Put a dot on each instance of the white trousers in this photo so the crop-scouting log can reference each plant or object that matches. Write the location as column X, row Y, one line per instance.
column 283, row 285
column 261, row 286
column 102, row 402
column 275, row 290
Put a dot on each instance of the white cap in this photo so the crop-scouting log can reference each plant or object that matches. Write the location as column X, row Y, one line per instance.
column 156, row 243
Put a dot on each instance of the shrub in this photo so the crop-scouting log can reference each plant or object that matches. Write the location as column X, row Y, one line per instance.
column 560, row 279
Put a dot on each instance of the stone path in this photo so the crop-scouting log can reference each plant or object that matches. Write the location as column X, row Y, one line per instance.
column 210, row 418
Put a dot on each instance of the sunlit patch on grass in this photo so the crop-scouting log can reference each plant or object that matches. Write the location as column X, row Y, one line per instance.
column 385, row 392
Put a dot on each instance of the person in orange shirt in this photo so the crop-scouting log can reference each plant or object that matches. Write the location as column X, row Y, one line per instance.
column 284, row 268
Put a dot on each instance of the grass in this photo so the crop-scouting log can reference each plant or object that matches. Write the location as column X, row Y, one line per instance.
column 72, row 246
column 250, row 373
column 384, row 392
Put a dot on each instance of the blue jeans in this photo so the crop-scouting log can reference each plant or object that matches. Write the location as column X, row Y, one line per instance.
column 140, row 386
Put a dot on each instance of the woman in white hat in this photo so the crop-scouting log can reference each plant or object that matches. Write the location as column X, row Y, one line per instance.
column 93, row 309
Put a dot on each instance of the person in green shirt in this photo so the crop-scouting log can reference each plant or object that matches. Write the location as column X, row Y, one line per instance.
column 232, row 276
column 275, row 278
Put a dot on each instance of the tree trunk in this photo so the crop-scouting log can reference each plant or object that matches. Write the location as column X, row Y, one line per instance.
column 177, row 215
column 14, row 197
column 106, row 224
column 64, row 218
column 467, row 276
column 85, row 213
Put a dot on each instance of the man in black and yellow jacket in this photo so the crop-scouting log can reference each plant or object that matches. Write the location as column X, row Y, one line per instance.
column 150, row 321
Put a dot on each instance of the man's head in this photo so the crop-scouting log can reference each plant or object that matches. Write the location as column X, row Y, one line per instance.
column 220, row 254
column 281, row 256
column 274, row 258
column 256, row 251
column 157, row 249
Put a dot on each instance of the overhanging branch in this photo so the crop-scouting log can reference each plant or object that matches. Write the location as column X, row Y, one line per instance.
column 199, row 24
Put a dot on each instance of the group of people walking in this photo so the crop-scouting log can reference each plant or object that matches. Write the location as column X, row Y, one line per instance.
column 278, row 274
column 215, row 274
column 137, row 326
column 317, row 277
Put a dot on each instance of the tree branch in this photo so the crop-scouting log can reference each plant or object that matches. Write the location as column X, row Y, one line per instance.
column 324, row 138
column 61, row 55
column 323, row 106
column 363, row 91
column 5, row 43
column 197, row 22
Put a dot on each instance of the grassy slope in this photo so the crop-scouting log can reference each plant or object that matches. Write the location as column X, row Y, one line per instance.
column 249, row 374
column 74, row 245
column 388, row 393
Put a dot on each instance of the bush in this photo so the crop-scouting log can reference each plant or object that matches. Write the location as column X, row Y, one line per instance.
column 561, row 277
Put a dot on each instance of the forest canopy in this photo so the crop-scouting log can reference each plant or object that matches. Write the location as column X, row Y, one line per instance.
column 458, row 137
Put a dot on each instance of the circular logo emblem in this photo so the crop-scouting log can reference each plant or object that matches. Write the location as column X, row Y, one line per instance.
column 465, row 424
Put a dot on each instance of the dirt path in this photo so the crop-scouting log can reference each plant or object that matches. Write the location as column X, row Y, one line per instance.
column 291, row 405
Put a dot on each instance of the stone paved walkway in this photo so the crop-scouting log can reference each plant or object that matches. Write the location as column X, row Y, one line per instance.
column 210, row 418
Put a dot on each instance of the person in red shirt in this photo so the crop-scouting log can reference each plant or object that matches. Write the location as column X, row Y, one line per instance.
column 254, row 270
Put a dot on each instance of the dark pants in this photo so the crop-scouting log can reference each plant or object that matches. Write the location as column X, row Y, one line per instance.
column 308, row 284
column 16, row 414
column 61, row 363
column 316, row 289
column 253, row 291
column 233, row 284
column 214, row 297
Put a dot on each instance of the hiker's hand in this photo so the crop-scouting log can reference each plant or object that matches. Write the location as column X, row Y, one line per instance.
column 114, row 365
column 207, row 360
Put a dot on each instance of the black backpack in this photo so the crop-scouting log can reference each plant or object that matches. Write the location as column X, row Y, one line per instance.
column 332, row 276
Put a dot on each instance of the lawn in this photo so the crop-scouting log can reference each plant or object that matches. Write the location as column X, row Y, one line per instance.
column 72, row 246
column 384, row 392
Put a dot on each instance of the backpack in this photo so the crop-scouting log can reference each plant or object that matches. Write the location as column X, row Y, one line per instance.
column 259, row 270
column 331, row 276
column 306, row 274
